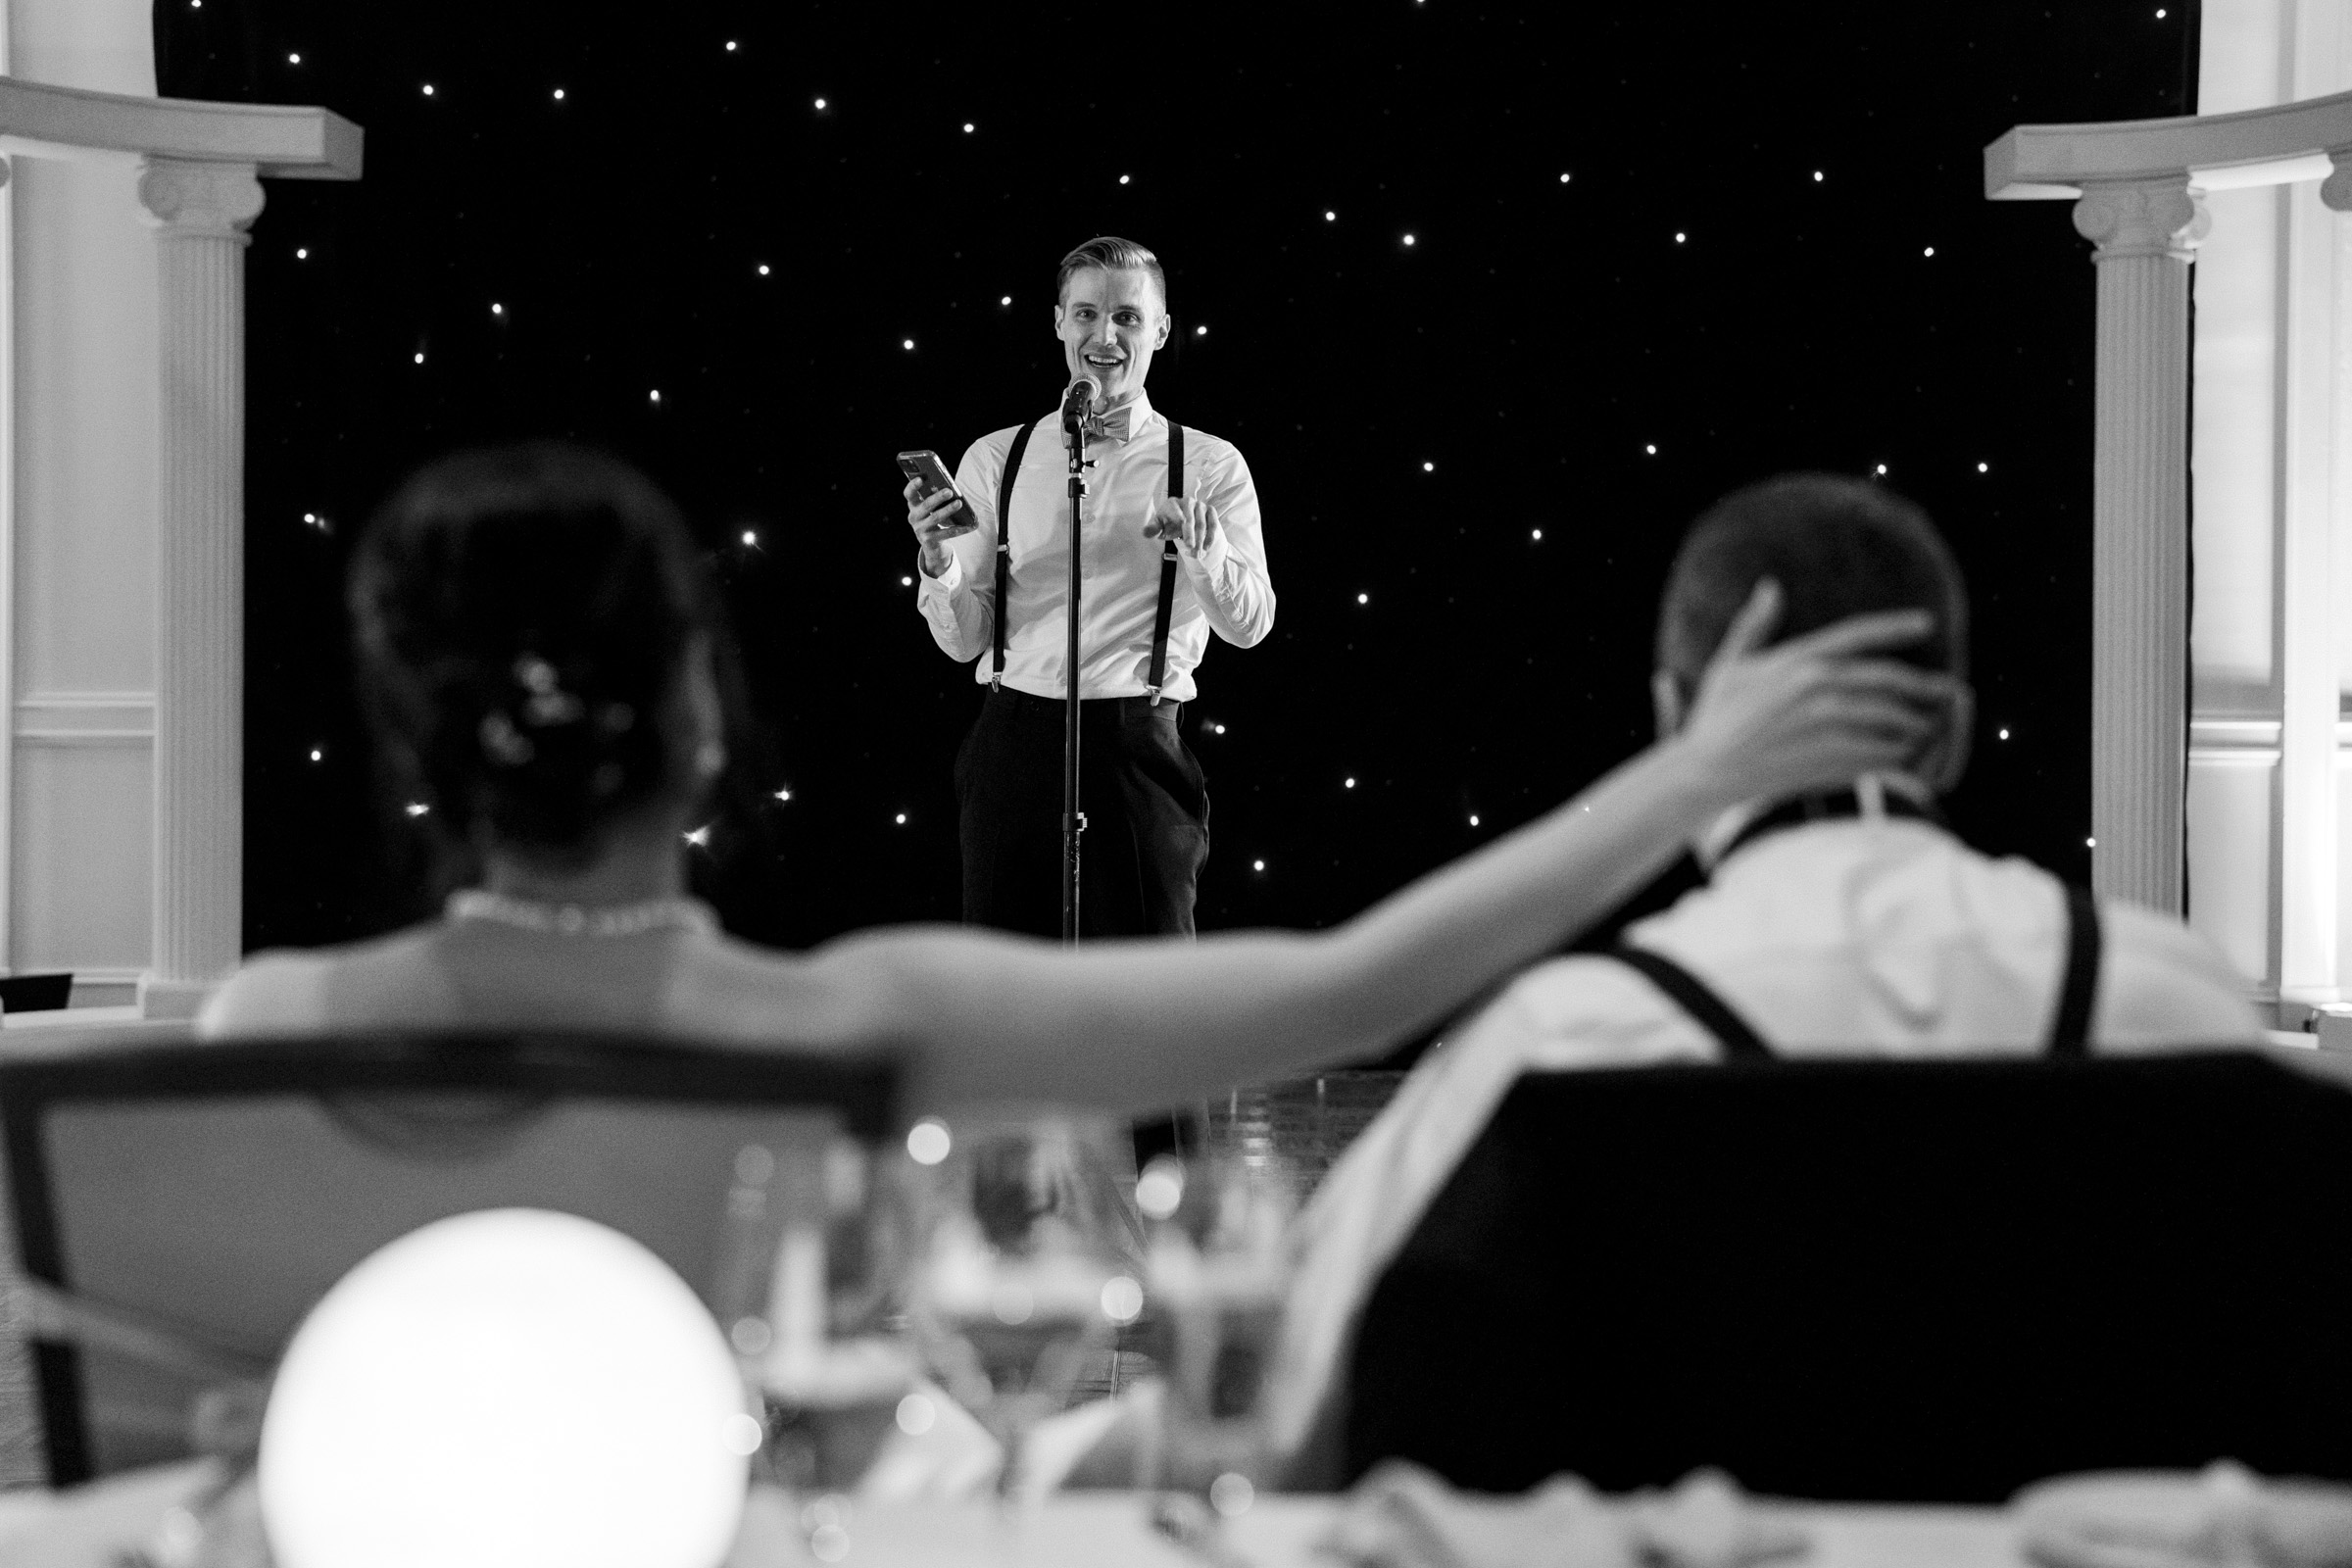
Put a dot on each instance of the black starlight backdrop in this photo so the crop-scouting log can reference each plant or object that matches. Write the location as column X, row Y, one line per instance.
column 1494, row 299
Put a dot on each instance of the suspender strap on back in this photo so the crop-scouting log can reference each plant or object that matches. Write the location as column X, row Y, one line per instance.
column 1167, row 570
column 1012, row 468
column 2078, row 989
column 1731, row 1031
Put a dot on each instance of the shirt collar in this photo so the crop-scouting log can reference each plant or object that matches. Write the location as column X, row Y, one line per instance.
column 1723, row 836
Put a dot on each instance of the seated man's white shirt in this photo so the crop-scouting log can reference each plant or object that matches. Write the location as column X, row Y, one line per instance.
column 1851, row 937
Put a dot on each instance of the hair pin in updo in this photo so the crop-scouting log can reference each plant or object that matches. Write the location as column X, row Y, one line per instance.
column 547, row 703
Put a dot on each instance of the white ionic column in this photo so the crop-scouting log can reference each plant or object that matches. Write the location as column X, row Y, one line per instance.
column 2145, row 231
column 199, row 212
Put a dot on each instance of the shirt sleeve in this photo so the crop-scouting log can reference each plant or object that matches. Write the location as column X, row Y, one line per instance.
column 2161, row 984
column 1230, row 575
column 959, row 605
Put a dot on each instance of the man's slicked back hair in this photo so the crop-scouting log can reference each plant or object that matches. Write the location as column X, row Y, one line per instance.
column 1113, row 255
column 1837, row 547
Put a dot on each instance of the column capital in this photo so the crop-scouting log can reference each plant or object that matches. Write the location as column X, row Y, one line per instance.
column 2337, row 189
column 183, row 196
column 2141, row 218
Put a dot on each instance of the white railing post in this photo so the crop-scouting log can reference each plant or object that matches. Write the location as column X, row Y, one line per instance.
column 199, row 212
column 2146, row 231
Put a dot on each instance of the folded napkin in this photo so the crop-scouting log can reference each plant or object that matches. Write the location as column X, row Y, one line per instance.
column 1403, row 1516
column 2224, row 1517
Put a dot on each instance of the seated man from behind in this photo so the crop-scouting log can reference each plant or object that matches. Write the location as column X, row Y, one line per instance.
column 1847, row 924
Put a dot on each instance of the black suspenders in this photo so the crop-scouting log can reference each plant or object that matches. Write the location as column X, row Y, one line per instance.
column 2069, row 1026
column 1167, row 569
column 1012, row 468
column 1168, row 556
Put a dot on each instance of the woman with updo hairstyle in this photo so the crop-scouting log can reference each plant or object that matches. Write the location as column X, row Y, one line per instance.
column 542, row 659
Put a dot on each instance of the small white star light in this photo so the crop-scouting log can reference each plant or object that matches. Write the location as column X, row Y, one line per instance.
column 314, row 520
column 302, row 253
column 559, row 95
column 1474, row 819
column 1258, row 865
column 1363, row 599
column 1651, row 450
column 700, row 837
column 497, row 308
column 1679, row 236
column 820, row 103
column 1563, row 179
column 318, row 753
column 905, row 582
column 1220, row 730
column 1537, row 534
column 296, row 60
column 1347, row 783
column 730, row 46
column 2004, row 734
column 1984, row 468
column 1006, row 300
column 655, row 394
column 2090, row 844
column 1930, row 251
column 1199, row 331
column 902, row 819
column 1123, row 180
column 783, row 795
column 1816, row 177
column 417, row 809
column 420, row 356
column 1429, row 467
column 1408, row 239
column 968, row 127
column 428, row 89
column 906, row 343
column 749, row 538
column 1881, row 470
column 1329, row 216
column 762, row 268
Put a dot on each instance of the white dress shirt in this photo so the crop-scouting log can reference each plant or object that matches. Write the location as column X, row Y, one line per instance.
column 1223, row 588
column 1850, row 937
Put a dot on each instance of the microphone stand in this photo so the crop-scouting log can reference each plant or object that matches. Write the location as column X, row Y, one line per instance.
column 1074, row 407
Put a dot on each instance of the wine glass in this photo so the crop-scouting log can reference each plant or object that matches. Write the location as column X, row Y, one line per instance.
column 1028, row 1265
column 1218, row 1272
column 814, row 1242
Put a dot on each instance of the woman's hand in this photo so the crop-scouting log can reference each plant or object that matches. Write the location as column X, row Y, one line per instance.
column 1813, row 712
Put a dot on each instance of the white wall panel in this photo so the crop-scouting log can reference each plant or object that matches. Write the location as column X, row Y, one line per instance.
column 81, row 866
column 2231, row 855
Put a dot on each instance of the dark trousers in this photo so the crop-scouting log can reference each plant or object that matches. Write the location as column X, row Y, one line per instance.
column 1139, row 788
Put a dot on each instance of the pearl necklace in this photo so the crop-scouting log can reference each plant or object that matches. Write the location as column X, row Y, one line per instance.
column 582, row 920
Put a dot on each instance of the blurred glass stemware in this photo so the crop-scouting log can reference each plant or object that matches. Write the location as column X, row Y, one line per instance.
column 1029, row 1264
column 1219, row 1270
column 808, row 1295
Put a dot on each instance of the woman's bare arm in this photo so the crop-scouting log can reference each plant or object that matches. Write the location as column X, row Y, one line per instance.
column 1134, row 1024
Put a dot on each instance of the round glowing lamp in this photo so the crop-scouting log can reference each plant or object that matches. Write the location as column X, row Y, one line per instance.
column 511, row 1386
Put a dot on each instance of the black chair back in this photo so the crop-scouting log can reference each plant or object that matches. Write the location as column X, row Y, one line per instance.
column 214, row 1192
column 1925, row 1281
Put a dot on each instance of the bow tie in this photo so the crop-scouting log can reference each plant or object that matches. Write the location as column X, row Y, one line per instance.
column 1116, row 424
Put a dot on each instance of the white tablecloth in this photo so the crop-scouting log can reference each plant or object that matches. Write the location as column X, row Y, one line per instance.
column 87, row 1529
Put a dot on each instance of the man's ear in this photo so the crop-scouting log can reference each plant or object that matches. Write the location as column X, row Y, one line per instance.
column 1946, row 757
column 1167, row 325
column 1666, row 702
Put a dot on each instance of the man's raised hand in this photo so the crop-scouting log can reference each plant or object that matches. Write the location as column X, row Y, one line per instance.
column 1189, row 521
column 935, row 521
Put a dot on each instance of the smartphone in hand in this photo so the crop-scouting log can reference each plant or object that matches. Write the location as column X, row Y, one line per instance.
column 925, row 466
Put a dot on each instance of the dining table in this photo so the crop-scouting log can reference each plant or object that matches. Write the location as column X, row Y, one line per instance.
column 96, row 1525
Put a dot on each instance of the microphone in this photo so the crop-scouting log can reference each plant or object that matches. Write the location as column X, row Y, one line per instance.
column 1079, row 401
